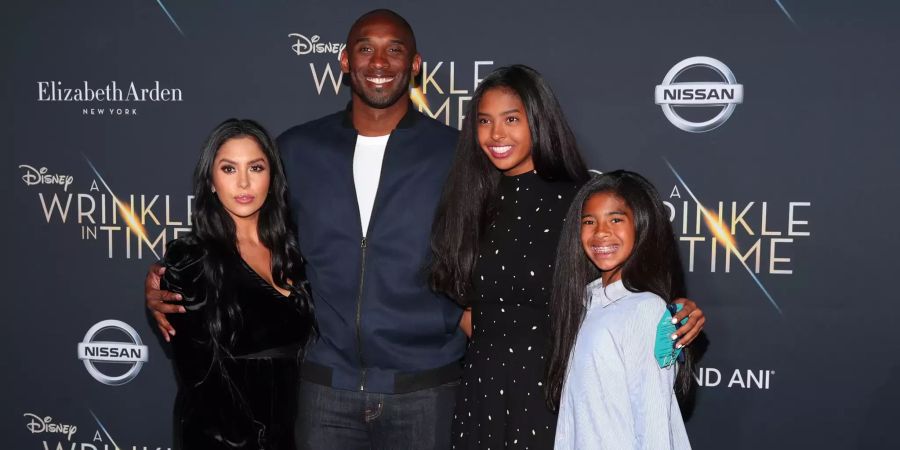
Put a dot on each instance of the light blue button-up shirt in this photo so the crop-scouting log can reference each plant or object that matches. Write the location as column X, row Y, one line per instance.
column 615, row 395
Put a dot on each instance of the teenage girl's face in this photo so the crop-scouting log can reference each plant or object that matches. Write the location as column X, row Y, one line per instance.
column 607, row 233
column 241, row 177
column 503, row 132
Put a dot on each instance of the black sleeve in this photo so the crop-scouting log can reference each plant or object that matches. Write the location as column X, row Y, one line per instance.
column 184, row 272
column 191, row 345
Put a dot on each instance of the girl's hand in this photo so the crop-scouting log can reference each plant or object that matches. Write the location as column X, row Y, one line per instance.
column 690, row 330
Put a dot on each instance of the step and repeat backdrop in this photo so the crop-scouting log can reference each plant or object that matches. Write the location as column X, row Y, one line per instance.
column 777, row 117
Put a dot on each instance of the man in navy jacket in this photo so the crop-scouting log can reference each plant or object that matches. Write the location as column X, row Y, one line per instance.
column 388, row 357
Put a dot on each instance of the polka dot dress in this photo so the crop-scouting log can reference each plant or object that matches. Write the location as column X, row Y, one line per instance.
column 501, row 403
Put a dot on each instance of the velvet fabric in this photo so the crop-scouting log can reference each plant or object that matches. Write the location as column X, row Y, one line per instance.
column 244, row 398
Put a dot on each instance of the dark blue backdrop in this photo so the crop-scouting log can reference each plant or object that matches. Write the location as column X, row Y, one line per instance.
column 800, row 352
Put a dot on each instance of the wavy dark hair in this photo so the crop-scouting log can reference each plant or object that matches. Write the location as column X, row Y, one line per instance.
column 653, row 266
column 468, row 201
column 213, row 230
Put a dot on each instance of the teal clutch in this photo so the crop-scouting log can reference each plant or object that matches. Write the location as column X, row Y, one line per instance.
column 664, row 350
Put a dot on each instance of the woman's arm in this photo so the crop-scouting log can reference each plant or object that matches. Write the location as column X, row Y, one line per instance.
column 465, row 322
column 183, row 275
column 692, row 328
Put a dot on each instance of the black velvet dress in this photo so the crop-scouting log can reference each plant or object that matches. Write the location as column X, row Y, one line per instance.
column 248, row 399
column 501, row 402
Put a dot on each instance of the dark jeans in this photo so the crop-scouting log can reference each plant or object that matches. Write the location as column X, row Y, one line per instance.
column 329, row 418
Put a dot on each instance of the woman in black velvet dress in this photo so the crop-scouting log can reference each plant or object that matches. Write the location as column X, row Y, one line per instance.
column 249, row 314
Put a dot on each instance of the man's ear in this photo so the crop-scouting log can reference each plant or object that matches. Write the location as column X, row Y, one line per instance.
column 345, row 61
column 416, row 65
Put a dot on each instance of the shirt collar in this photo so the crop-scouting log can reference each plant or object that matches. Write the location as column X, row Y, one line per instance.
column 409, row 119
column 605, row 296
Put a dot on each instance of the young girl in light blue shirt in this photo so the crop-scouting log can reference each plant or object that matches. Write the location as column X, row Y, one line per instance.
column 612, row 390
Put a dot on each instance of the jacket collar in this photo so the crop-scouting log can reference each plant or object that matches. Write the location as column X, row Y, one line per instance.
column 409, row 119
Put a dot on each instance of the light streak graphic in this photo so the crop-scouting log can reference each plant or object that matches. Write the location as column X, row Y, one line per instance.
column 104, row 430
column 786, row 13
column 724, row 236
column 172, row 19
column 134, row 224
column 718, row 228
column 418, row 98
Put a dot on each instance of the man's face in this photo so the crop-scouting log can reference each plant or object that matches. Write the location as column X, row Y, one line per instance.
column 380, row 59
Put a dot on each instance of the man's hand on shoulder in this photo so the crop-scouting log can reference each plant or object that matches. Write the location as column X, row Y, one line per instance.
column 156, row 301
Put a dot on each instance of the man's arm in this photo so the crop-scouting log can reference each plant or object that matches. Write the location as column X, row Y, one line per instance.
column 155, row 299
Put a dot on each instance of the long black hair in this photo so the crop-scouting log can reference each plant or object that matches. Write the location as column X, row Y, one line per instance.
column 213, row 230
column 468, row 201
column 653, row 266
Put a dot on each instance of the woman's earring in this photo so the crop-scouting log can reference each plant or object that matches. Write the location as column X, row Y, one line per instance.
column 214, row 189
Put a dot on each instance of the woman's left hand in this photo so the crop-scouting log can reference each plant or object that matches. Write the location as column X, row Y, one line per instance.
column 692, row 328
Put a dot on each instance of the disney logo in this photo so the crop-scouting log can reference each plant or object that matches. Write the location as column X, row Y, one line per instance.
column 305, row 45
column 34, row 176
column 46, row 425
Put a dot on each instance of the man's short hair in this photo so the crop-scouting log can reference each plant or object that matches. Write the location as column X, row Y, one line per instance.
column 393, row 15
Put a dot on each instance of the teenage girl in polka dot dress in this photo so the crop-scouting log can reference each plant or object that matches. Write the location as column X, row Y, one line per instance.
column 516, row 171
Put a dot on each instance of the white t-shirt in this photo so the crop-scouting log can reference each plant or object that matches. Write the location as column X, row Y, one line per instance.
column 367, row 159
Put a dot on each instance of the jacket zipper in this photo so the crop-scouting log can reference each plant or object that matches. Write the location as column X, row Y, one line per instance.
column 364, row 243
column 362, row 276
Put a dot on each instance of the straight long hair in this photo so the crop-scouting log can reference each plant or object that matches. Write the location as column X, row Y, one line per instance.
column 468, row 201
column 653, row 266
column 214, row 230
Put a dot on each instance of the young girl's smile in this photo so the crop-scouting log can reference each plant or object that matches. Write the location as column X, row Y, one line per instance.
column 607, row 233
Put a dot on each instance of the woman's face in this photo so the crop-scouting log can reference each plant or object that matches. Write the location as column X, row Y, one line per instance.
column 503, row 132
column 240, row 177
column 607, row 233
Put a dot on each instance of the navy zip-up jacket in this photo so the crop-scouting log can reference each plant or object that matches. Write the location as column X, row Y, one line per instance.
column 381, row 328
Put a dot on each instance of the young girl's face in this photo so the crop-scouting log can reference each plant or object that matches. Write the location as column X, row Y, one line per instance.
column 607, row 233
column 503, row 132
